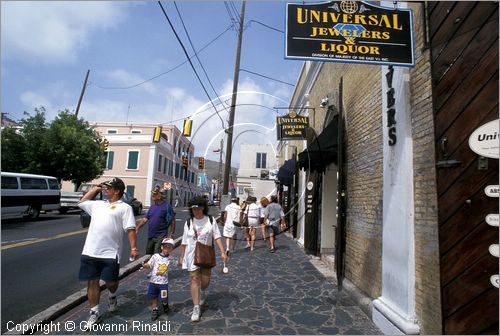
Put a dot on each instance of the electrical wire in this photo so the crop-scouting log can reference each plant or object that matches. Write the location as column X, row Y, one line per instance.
column 274, row 79
column 199, row 60
column 191, row 63
column 163, row 73
column 263, row 24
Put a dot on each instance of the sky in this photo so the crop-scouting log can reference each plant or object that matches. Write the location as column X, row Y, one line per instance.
column 138, row 70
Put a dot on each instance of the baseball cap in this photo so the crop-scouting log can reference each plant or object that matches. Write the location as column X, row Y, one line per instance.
column 168, row 241
column 115, row 183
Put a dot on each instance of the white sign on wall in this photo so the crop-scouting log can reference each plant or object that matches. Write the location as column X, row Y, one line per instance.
column 493, row 250
column 492, row 219
column 492, row 191
column 495, row 280
column 484, row 141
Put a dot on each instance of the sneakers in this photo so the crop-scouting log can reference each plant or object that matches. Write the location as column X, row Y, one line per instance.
column 112, row 304
column 94, row 319
column 195, row 317
column 166, row 307
column 154, row 314
column 203, row 297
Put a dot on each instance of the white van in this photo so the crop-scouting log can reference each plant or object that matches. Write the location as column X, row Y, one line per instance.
column 25, row 195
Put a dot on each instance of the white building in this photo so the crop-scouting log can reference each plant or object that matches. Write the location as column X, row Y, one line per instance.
column 258, row 168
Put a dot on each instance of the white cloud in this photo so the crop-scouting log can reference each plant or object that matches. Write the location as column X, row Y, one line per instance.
column 53, row 32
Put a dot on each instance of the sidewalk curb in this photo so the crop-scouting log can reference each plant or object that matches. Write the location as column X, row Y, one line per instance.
column 77, row 298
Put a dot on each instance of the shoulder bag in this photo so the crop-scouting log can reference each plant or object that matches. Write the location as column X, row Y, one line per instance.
column 204, row 255
column 244, row 218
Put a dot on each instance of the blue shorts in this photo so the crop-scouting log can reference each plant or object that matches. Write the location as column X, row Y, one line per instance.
column 98, row 268
column 158, row 291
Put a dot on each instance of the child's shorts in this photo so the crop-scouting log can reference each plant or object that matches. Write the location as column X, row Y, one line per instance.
column 159, row 291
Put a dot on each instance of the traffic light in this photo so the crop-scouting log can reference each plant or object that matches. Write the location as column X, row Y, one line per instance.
column 157, row 134
column 105, row 142
column 185, row 162
column 186, row 129
column 201, row 163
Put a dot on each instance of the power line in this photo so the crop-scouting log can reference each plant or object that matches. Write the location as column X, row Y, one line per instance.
column 263, row 24
column 191, row 63
column 166, row 72
column 274, row 79
column 199, row 61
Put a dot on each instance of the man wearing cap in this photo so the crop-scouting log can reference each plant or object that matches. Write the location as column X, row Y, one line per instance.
column 100, row 258
column 161, row 221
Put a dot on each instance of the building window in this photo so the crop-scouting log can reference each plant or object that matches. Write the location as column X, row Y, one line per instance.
column 112, row 131
column 130, row 190
column 165, row 165
column 261, row 160
column 136, row 131
column 160, row 160
column 133, row 159
column 171, row 168
column 241, row 190
column 199, row 181
column 109, row 159
column 177, row 166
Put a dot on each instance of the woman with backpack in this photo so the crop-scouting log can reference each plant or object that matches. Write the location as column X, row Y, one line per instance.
column 202, row 228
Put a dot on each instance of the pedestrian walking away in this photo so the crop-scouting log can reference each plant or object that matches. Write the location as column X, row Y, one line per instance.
column 253, row 211
column 207, row 232
column 161, row 221
column 274, row 216
column 231, row 215
column 159, row 263
column 264, row 202
column 100, row 258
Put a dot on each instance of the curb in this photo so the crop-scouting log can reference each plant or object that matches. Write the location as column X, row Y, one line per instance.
column 77, row 298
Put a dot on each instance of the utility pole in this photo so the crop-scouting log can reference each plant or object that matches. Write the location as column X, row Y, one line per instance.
column 229, row 149
column 220, row 169
column 81, row 94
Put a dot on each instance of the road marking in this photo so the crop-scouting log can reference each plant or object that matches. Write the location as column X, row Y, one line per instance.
column 17, row 241
column 39, row 240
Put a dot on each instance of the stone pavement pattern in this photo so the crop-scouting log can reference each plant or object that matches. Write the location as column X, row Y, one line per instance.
column 263, row 293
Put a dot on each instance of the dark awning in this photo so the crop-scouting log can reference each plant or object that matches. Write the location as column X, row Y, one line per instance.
column 323, row 150
column 286, row 172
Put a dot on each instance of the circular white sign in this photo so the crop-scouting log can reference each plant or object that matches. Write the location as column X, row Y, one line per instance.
column 310, row 185
column 494, row 279
column 493, row 250
column 492, row 219
column 484, row 140
column 492, row 191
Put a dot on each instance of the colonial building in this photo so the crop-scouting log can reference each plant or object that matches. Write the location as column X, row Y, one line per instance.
column 258, row 167
column 144, row 164
column 386, row 183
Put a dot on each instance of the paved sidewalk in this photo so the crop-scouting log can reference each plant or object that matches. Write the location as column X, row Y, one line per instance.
column 263, row 293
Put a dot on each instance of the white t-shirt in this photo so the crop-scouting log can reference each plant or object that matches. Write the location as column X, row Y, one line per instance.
column 108, row 222
column 253, row 210
column 233, row 213
column 159, row 268
column 205, row 232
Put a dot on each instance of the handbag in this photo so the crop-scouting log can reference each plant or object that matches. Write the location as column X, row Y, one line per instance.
column 204, row 255
column 244, row 218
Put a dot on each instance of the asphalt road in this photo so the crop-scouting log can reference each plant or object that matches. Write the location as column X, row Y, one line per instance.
column 40, row 261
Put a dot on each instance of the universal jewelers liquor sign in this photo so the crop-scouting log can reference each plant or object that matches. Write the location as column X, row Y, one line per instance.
column 350, row 31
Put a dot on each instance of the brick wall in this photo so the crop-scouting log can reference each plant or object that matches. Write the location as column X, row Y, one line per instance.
column 427, row 271
column 363, row 111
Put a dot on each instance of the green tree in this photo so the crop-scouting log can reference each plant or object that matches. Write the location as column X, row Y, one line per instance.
column 67, row 148
column 13, row 145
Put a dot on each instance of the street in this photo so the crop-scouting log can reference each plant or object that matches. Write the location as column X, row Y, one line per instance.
column 41, row 259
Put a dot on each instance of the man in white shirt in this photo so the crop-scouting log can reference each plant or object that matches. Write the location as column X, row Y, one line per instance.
column 100, row 258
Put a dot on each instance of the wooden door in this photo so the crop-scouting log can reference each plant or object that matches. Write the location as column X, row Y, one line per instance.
column 464, row 48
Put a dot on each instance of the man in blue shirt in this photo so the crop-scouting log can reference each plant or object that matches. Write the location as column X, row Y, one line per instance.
column 161, row 220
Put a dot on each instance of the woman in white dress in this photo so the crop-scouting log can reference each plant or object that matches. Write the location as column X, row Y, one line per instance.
column 231, row 214
column 206, row 232
column 253, row 211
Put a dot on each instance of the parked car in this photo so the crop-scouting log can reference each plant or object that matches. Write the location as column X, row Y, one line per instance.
column 132, row 201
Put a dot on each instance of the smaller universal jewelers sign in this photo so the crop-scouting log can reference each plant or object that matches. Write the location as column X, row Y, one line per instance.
column 292, row 127
column 350, row 31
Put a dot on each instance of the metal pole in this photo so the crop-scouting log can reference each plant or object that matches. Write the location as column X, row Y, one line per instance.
column 82, row 93
column 229, row 149
column 220, row 169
